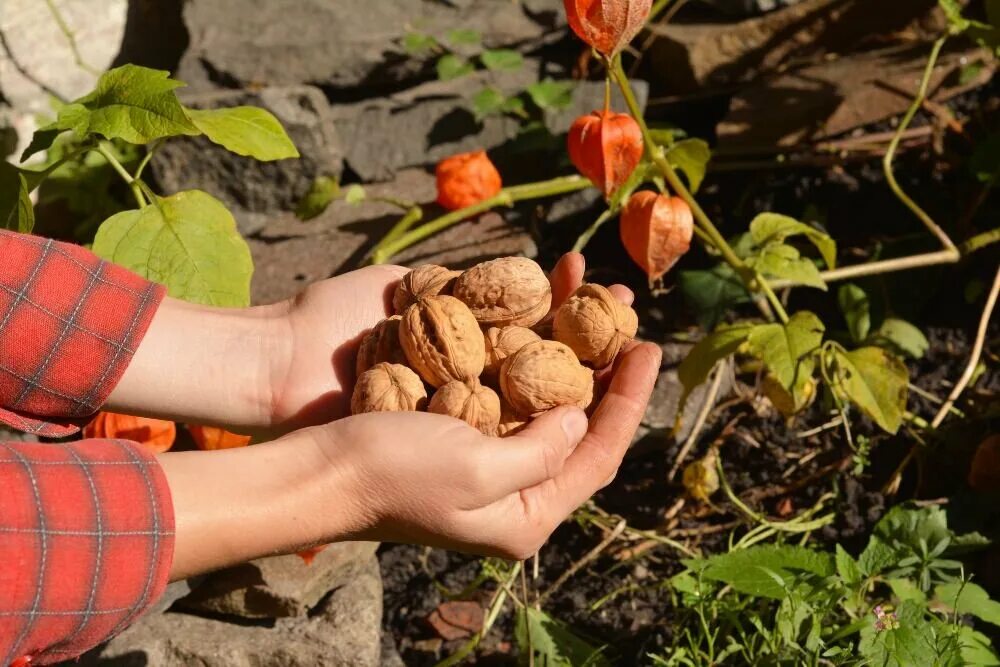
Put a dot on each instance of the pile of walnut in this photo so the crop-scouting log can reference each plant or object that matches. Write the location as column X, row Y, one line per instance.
column 471, row 335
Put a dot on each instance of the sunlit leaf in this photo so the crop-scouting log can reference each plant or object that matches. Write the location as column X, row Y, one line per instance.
column 691, row 156
column 702, row 358
column 903, row 336
column 752, row 570
column 355, row 194
column 450, row 66
column 768, row 228
column 550, row 95
column 788, row 351
column 778, row 260
column 552, row 643
column 876, row 381
column 417, row 43
column 322, row 192
column 854, row 305
column 501, row 59
column 247, row 131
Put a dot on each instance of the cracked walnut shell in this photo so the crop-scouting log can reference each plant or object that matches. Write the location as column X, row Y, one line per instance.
column 380, row 344
column 423, row 281
column 469, row 401
column 501, row 343
column 595, row 325
column 510, row 291
column 442, row 340
column 544, row 375
column 388, row 388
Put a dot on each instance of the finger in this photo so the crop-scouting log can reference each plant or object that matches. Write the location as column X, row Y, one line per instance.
column 537, row 453
column 622, row 293
column 566, row 277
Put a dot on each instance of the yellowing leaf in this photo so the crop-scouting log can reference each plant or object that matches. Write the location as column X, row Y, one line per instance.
column 875, row 381
column 768, row 228
column 247, row 131
column 187, row 242
column 788, row 352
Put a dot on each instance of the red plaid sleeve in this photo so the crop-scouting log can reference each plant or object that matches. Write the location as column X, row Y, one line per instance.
column 69, row 325
column 86, row 542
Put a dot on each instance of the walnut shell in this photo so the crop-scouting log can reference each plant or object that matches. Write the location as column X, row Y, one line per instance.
column 388, row 388
column 423, row 281
column 595, row 325
column 380, row 344
column 544, row 375
column 510, row 421
column 442, row 340
column 510, row 291
column 469, row 401
column 501, row 343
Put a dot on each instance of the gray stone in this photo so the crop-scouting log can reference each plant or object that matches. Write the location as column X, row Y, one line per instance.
column 342, row 44
column 280, row 585
column 343, row 631
column 289, row 254
column 244, row 184
column 174, row 592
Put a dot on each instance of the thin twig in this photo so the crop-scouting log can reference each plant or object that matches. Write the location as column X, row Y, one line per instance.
column 703, row 413
column 977, row 351
column 590, row 555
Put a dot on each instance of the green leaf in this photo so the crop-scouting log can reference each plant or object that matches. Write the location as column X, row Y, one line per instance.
column 248, row 131
column 41, row 140
column 907, row 589
column 903, row 336
column 977, row 650
column 488, row 102
column 132, row 103
column 498, row 60
column 188, row 242
column 768, row 228
column 710, row 294
column 552, row 643
column 752, row 571
column 877, row 557
column 788, row 351
column 778, row 260
column 417, row 43
column 985, row 161
column 968, row 598
column 856, row 309
column 322, row 192
column 692, row 157
column 450, row 66
column 16, row 211
column 847, row 567
column 702, row 358
column 915, row 643
column 549, row 95
column 464, row 37
column 355, row 194
column 876, row 381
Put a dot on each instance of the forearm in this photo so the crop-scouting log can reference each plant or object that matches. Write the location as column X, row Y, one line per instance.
column 205, row 365
column 231, row 506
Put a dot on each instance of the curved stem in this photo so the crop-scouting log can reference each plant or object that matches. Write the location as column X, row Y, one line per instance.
column 584, row 238
column 102, row 148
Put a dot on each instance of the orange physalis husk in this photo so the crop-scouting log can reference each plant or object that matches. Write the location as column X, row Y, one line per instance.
column 607, row 25
column 606, row 147
column 656, row 231
column 309, row 555
column 984, row 471
column 466, row 179
column 211, row 437
column 156, row 435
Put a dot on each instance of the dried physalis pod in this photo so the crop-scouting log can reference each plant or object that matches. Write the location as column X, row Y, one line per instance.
column 607, row 25
column 544, row 375
column 381, row 344
column 510, row 291
column 605, row 147
column 426, row 280
column 442, row 340
column 656, row 231
column 471, row 402
column 510, row 421
column 501, row 343
column 388, row 388
column 701, row 478
column 595, row 325
column 984, row 471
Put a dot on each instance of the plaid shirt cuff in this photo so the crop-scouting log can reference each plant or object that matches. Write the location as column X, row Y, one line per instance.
column 69, row 325
column 86, row 544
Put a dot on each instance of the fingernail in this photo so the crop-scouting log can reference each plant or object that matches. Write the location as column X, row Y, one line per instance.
column 574, row 424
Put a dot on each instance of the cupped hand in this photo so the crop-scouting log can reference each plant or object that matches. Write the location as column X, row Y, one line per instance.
column 311, row 382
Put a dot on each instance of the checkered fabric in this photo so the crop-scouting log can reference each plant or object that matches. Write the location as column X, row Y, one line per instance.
column 86, row 542
column 86, row 528
column 69, row 325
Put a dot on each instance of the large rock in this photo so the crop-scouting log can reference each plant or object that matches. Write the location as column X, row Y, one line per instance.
column 280, row 585
column 341, row 44
column 343, row 631
column 244, row 184
column 692, row 56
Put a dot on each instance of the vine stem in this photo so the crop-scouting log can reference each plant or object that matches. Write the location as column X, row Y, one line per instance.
column 752, row 279
column 133, row 183
column 391, row 245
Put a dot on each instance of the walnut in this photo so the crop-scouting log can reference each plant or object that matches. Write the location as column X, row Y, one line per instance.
column 442, row 340
column 501, row 343
column 388, row 388
column 381, row 344
column 595, row 325
column 426, row 280
column 469, row 401
column 510, row 421
column 543, row 375
column 510, row 291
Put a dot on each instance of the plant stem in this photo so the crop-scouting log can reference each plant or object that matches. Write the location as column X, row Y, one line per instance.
column 584, row 238
column 388, row 247
column 752, row 279
column 103, row 149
